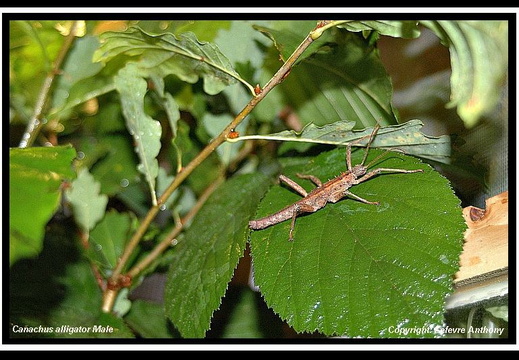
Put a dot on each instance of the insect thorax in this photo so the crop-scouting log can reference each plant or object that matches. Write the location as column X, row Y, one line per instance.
column 359, row 170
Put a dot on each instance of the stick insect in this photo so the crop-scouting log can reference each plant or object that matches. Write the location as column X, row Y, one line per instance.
column 330, row 192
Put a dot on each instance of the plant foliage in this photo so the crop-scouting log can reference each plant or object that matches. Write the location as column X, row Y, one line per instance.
column 138, row 115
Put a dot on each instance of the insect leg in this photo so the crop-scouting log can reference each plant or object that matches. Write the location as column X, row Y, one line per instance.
column 293, row 185
column 379, row 170
column 312, row 178
column 348, row 157
column 361, row 199
column 299, row 209
column 370, row 140
column 292, row 225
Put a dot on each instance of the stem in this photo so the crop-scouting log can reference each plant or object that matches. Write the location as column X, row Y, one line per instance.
column 35, row 124
column 168, row 240
column 217, row 141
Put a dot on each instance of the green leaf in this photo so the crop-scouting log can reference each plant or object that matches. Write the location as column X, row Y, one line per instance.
column 87, row 203
column 148, row 319
column 172, row 112
column 79, row 313
column 115, row 162
column 82, row 91
column 403, row 29
column 58, row 291
column 146, row 132
column 287, row 35
column 244, row 320
column 248, row 58
column 362, row 270
column 479, row 62
column 166, row 101
column 347, row 82
column 33, row 45
column 78, row 66
column 243, row 33
column 35, row 176
column 109, row 238
column 405, row 137
column 205, row 30
column 122, row 304
column 185, row 57
column 204, row 261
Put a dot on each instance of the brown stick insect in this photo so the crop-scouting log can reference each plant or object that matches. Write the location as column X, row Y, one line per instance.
column 331, row 191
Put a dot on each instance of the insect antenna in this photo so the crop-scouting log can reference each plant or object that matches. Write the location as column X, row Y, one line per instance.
column 370, row 140
column 377, row 158
column 383, row 154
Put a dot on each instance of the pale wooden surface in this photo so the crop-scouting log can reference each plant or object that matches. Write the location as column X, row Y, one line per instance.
column 486, row 239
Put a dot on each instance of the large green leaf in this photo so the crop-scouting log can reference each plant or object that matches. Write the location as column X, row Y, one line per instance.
column 406, row 137
column 362, row 270
column 35, row 176
column 185, row 56
column 479, row 62
column 204, row 261
column 346, row 82
column 157, row 55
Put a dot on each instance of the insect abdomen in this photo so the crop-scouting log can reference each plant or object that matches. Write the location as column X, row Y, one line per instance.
column 278, row 217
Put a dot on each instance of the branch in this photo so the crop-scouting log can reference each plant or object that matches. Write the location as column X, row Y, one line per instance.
column 35, row 124
column 280, row 75
column 170, row 238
